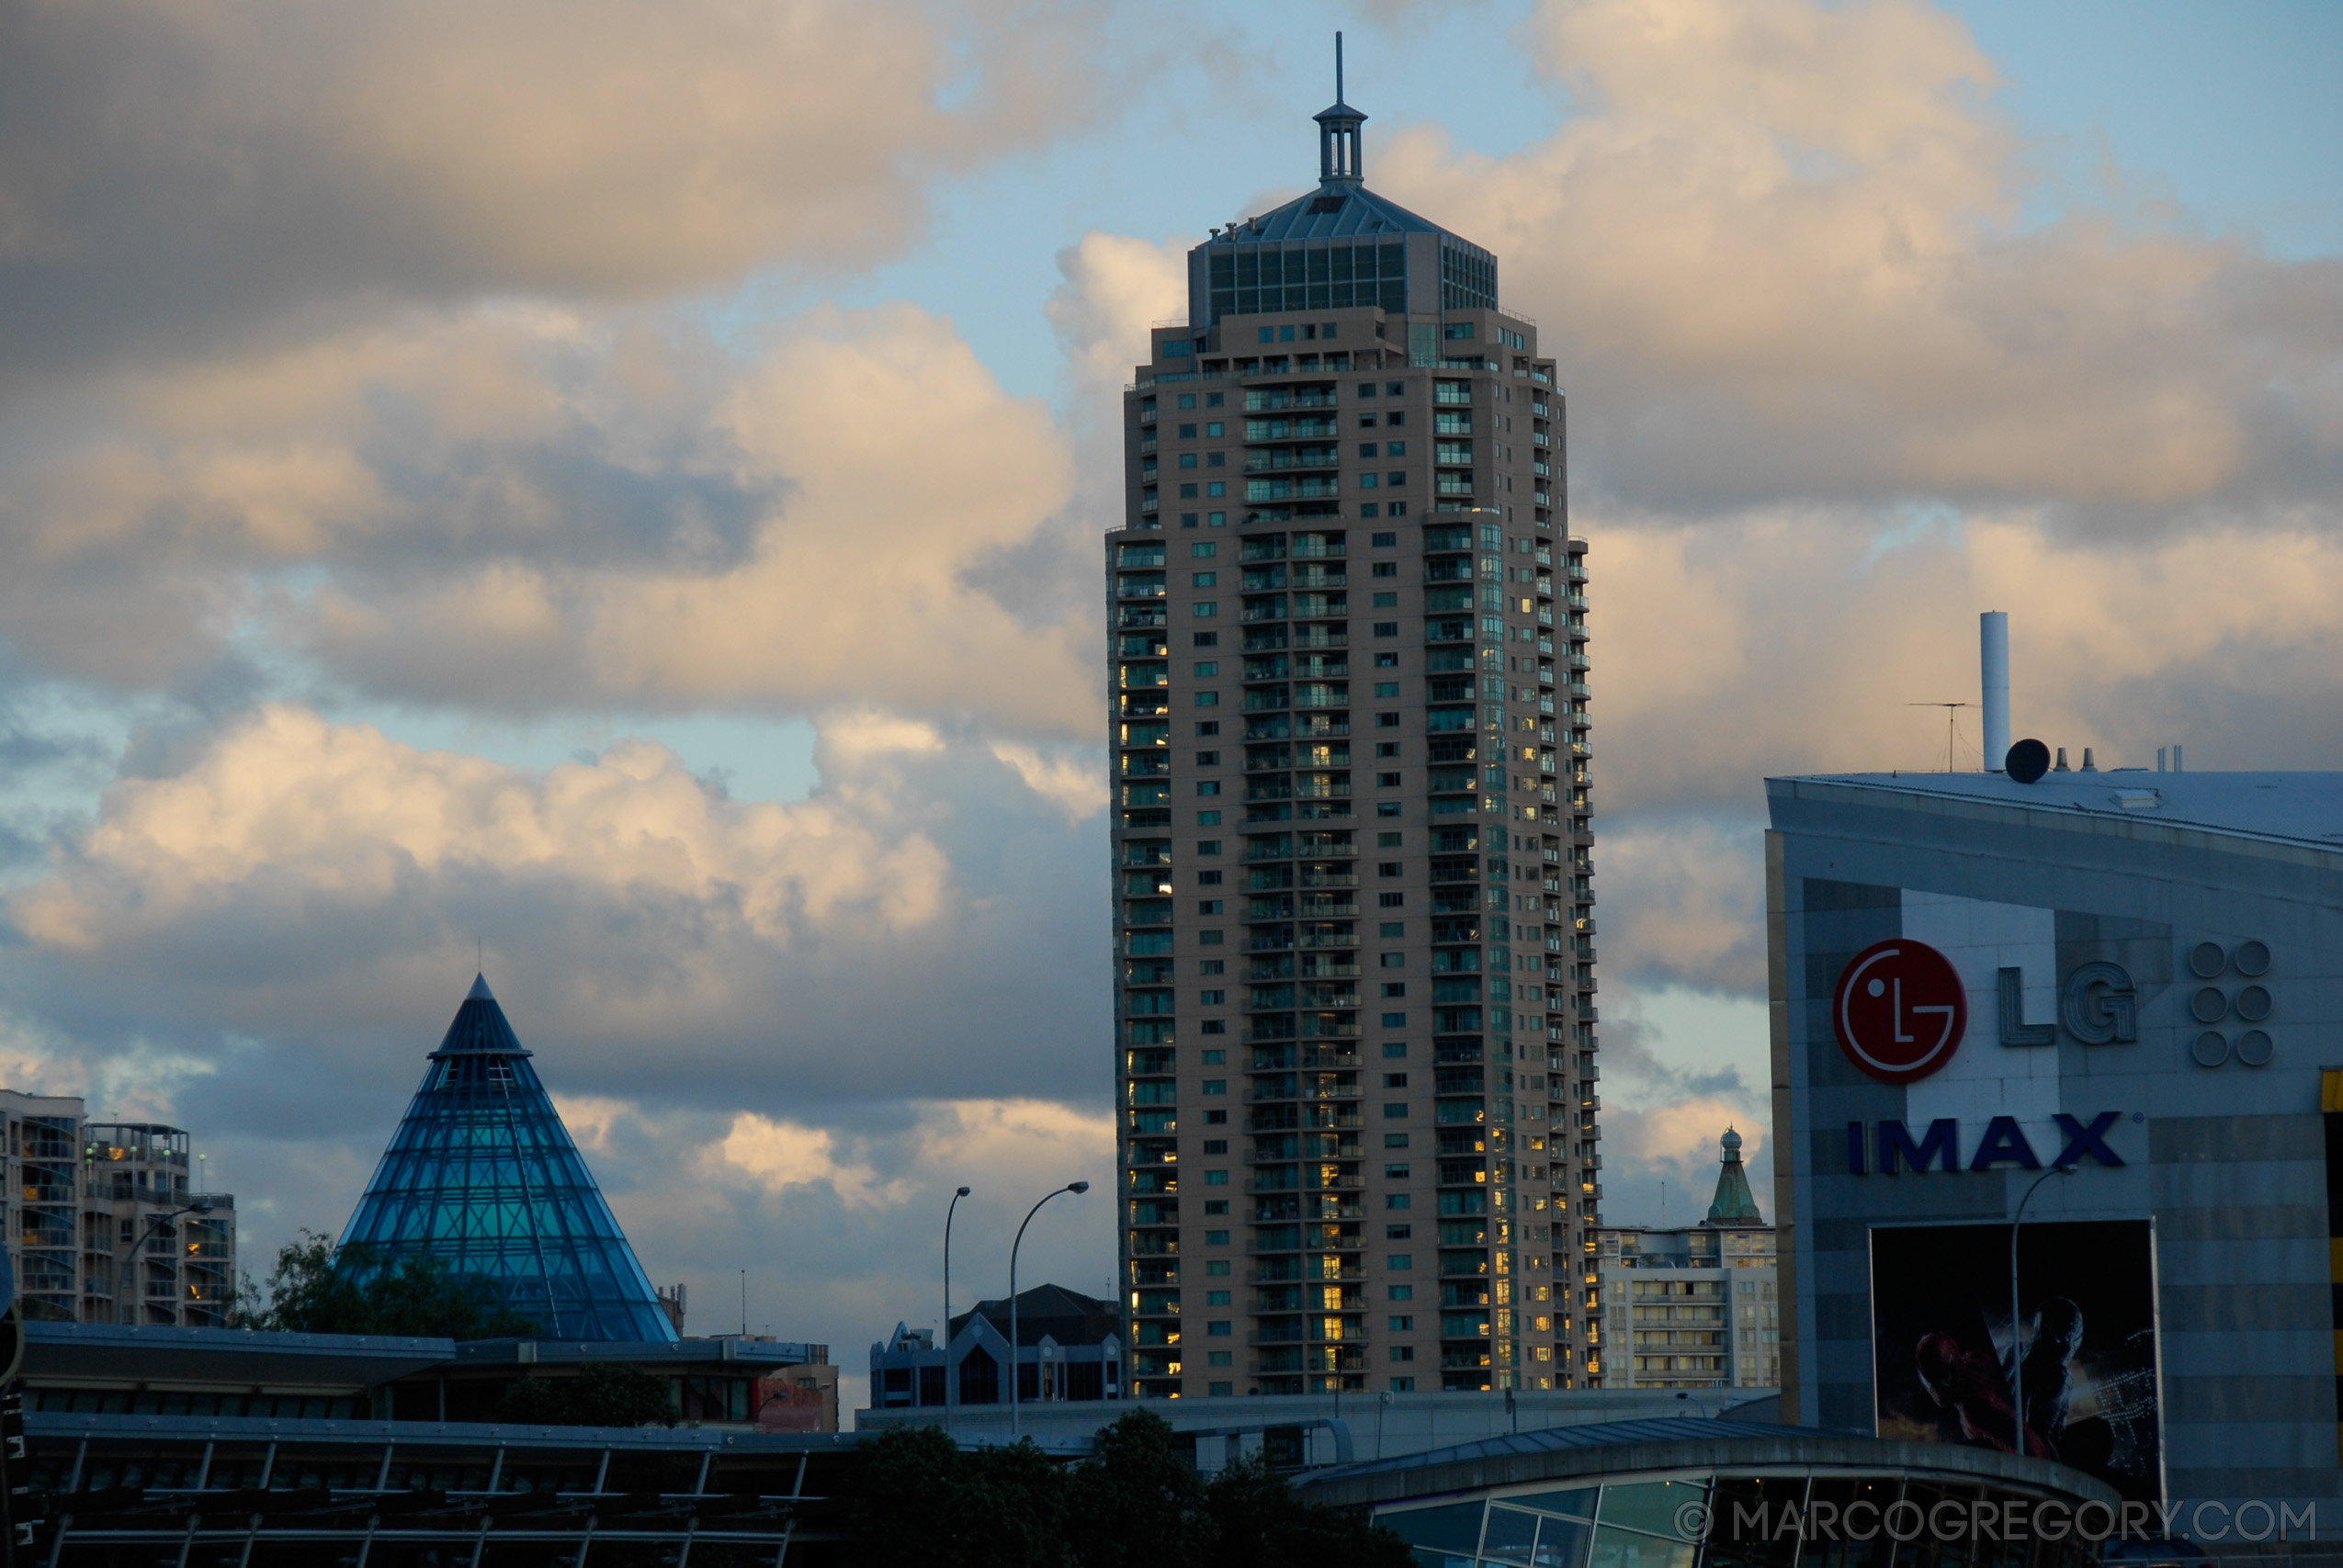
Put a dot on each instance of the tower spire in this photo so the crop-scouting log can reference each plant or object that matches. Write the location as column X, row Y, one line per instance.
column 1338, row 134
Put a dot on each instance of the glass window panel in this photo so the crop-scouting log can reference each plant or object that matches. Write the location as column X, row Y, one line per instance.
column 1615, row 1548
column 1745, row 1513
column 1650, row 1505
column 1562, row 1543
column 1826, row 1517
column 1453, row 1527
column 1512, row 1533
column 1578, row 1502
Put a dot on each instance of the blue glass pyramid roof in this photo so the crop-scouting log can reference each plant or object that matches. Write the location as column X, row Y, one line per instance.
column 482, row 1173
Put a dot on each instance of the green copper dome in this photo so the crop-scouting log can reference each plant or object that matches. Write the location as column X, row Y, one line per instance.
column 1734, row 1204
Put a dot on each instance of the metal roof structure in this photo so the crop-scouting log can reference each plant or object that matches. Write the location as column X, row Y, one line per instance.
column 2298, row 807
column 1620, row 1447
column 482, row 1173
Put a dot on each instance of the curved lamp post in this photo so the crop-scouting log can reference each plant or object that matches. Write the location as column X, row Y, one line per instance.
column 2016, row 1330
column 122, row 1306
column 947, row 1308
column 1015, row 1362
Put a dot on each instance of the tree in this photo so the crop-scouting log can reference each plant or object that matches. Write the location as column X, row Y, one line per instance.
column 921, row 1499
column 1257, row 1522
column 599, row 1396
column 315, row 1288
column 1138, row 1504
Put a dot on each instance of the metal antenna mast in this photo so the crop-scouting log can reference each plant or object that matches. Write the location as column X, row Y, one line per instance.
column 1951, row 722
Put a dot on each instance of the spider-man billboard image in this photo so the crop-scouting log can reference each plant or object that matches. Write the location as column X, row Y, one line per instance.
column 2084, row 1351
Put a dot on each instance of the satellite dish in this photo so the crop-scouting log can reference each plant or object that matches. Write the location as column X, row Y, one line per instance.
column 2027, row 762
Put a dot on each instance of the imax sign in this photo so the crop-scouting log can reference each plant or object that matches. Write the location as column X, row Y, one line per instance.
column 2003, row 1143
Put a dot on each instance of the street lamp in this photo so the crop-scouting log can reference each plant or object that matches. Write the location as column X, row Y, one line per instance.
column 122, row 1303
column 1015, row 1364
column 2017, row 1345
column 947, row 1308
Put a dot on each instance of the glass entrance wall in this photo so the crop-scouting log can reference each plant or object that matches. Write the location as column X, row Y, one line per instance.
column 1780, row 1519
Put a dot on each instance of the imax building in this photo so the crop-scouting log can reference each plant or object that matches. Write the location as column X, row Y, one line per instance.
column 2102, row 1011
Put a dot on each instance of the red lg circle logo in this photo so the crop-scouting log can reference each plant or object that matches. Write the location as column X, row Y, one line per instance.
column 1900, row 1010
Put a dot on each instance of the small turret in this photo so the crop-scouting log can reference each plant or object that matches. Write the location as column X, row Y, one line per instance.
column 1734, row 1204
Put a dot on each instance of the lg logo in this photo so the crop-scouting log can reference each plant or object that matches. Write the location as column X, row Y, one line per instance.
column 2099, row 1006
column 1900, row 1010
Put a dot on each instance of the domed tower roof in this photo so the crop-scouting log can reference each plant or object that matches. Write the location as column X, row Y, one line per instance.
column 482, row 1173
column 1734, row 1204
column 1338, row 247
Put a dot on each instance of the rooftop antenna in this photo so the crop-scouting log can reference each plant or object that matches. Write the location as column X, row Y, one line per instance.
column 1952, row 720
column 1338, row 66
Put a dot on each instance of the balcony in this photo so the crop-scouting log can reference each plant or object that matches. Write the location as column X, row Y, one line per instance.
column 1280, row 460
column 1310, row 429
column 1269, row 400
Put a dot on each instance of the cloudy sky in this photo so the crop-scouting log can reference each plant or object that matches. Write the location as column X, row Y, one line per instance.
column 618, row 489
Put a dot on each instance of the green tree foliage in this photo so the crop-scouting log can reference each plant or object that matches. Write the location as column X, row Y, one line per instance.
column 1138, row 1503
column 923, row 1500
column 599, row 1396
column 316, row 1289
column 1259, row 1523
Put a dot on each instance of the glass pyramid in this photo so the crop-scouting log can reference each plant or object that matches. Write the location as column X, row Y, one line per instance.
column 482, row 1173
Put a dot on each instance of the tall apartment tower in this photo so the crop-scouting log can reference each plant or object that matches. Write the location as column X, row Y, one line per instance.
column 1354, row 916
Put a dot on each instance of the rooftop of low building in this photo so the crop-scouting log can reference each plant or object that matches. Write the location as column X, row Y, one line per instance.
column 2297, row 807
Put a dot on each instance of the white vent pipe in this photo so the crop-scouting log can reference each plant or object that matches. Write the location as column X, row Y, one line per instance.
column 1993, row 659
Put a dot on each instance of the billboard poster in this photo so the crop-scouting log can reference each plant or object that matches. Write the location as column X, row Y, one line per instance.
column 784, row 1405
column 2085, row 1345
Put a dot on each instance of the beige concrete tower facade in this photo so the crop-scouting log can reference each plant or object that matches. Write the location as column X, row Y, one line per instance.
column 1354, row 915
